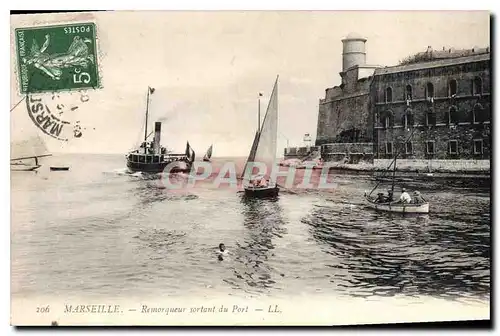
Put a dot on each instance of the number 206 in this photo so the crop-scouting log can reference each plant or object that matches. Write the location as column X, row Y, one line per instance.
column 45, row 309
column 81, row 77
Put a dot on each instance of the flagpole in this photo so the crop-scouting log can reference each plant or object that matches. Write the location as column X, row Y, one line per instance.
column 146, row 126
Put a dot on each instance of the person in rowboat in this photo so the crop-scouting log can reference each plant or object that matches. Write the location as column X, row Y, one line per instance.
column 390, row 195
column 417, row 198
column 405, row 197
column 380, row 198
column 263, row 182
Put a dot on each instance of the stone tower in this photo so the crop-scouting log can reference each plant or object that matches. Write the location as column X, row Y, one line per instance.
column 353, row 52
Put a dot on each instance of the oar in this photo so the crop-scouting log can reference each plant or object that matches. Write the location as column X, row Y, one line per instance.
column 287, row 190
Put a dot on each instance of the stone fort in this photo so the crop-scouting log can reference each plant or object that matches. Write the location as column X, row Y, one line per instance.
column 434, row 108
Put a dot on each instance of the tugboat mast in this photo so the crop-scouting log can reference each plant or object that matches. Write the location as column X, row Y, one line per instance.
column 146, row 126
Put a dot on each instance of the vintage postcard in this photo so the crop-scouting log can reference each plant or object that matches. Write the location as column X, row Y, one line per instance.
column 250, row 168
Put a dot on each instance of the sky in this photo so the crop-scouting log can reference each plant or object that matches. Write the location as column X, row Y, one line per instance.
column 208, row 68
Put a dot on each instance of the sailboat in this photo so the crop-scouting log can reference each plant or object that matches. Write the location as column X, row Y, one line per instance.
column 391, row 205
column 264, row 151
column 208, row 154
column 152, row 157
column 26, row 145
column 25, row 154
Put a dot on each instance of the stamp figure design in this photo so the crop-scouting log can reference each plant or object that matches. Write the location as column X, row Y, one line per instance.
column 66, row 60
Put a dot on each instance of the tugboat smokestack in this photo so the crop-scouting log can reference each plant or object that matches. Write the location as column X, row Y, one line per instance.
column 156, row 141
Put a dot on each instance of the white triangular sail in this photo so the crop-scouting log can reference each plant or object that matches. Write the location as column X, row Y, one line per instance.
column 265, row 150
column 25, row 139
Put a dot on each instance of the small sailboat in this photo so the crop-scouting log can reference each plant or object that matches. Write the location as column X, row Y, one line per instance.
column 387, row 203
column 22, row 165
column 26, row 145
column 208, row 154
column 152, row 157
column 264, row 151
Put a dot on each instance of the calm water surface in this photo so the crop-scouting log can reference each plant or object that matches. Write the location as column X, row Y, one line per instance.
column 97, row 231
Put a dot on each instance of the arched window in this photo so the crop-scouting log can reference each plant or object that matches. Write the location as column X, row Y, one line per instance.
column 430, row 118
column 408, row 119
column 387, row 119
column 408, row 93
column 452, row 87
column 477, row 86
column 388, row 95
column 452, row 116
column 429, row 91
column 479, row 114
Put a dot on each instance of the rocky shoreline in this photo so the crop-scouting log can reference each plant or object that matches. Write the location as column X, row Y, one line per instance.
column 409, row 172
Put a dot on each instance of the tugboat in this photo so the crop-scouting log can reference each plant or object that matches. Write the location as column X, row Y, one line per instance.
column 152, row 157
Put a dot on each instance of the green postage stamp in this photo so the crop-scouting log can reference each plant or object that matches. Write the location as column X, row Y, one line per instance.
column 57, row 58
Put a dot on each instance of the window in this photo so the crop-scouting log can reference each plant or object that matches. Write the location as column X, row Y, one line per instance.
column 477, row 86
column 408, row 120
column 388, row 147
column 453, row 146
column 478, row 114
column 478, row 146
column 387, row 120
column 452, row 115
column 452, row 87
column 429, row 91
column 430, row 147
column 388, row 95
column 408, row 92
column 409, row 147
column 430, row 118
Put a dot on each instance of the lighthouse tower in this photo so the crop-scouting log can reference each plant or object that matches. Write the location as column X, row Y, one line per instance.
column 354, row 61
column 353, row 52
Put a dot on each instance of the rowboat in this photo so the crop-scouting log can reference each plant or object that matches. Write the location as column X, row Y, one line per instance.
column 397, row 206
column 262, row 192
column 59, row 168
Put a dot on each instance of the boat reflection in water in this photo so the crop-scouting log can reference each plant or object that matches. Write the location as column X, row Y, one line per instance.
column 253, row 267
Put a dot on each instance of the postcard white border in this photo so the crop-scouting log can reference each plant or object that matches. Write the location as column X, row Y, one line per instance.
column 190, row 5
